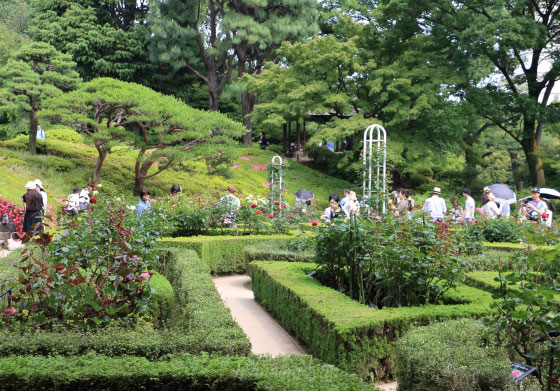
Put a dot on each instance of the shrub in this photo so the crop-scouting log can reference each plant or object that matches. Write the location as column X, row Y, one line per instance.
column 223, row 254
column 454, row 355
column 67, row 135
column 21, row 141
column 59, row 164
column 93, row 271
column 15, row 214
column 393, row 262
column 200, row 310
column 339, row 330
column 275, row 251
column 190, row 373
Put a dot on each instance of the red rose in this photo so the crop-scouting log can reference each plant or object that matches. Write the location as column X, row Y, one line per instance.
column 284, row 206
column 278, row 208
column 93, row 200
column 419, row 206
column 9, row 311
column 314, row 223
column 253, row 205
column 545, row 215
column 271, row 216
column 264, row 210
column 258, row 211
column 276, row 202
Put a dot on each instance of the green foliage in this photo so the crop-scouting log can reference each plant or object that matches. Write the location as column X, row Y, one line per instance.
column 92, row 272
column 275, row 251
column 453, row 355
column 223, row 254
column 199, row 322
column 339, row 330
column 186, row 372
column 391, row 262
column 201, row 313
column 67, row 135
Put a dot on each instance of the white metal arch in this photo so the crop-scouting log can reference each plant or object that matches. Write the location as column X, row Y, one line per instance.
column 375, row 159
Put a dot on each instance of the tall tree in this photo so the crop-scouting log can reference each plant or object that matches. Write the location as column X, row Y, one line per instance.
column 519, row 38
column 163, row 129
column 258, row 29
column 36, row 72
column 195, row 40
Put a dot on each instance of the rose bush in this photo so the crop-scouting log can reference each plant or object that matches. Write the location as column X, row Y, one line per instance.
column 15, row 214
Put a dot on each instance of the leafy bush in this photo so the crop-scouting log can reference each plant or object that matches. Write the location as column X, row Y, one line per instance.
column 200, row 310
column 275, row 251
column 339, row 330
column 390, row 262
column 67, row 135
column 223, row 254
column 496, row 230
column 95, row 270
column 454, row 355
column 21, row 141
column 187, row 372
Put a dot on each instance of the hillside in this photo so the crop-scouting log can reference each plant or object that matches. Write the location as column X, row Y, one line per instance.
column 64, row 165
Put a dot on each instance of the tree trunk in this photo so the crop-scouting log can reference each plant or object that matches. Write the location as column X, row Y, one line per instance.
column 298, row 131
column 101, row 155
column 304, row 135
column 248, row 103
column 534, row 161
column 516, row 170
column 285, row 138
column 140, row 171
column 33, row 129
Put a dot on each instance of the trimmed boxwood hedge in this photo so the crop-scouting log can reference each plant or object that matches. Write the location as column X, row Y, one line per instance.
column 202, row 324
column 341, row 331
column 275, row 251
column 455, row 355
column 195, row 373
column 223, row 254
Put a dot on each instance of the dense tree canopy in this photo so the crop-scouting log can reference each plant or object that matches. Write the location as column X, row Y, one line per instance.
column 163, row 129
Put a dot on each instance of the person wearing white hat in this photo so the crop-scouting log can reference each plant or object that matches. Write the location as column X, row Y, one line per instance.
column 435, row 205
column 39, row 188
column 33, row 205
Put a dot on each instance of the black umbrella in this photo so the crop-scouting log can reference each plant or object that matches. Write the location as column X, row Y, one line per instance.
column 503, row 193
column 304, row 195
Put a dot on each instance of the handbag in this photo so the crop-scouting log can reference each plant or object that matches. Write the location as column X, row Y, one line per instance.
column 14, row 244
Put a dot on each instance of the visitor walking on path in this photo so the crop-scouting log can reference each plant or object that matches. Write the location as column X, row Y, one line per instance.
column 33, row 203
column 144, row 204
column 435, row 205
column 468, row 212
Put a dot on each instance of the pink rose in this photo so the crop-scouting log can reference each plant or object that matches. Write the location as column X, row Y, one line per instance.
column 9, row 311
column 173, row 206
column 271, row 216
column 314, row 223
column 145, row 276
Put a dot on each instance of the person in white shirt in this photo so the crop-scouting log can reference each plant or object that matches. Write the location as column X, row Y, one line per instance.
column 41, row 133
column 84, row 196
column 490, row 208
column 435, row 205
column 73, row 202
column 40, row 190
column 333, row 211
column 345, row 198
column 468, row 211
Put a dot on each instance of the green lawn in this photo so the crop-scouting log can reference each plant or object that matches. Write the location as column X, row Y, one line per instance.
column 68, row 165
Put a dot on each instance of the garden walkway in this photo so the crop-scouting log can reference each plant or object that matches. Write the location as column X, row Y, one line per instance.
column 265, row 334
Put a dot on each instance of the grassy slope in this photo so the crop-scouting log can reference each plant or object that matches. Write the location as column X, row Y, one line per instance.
column 17, row 167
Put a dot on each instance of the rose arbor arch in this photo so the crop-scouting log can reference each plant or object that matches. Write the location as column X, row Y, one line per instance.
column 374, row 167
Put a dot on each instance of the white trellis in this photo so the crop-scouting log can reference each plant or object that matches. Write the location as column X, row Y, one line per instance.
column 275, row 174
column 375, row 159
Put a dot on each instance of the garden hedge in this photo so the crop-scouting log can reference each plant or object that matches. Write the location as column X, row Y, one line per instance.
column 201, row 323
column 223, row 254
column 195, row 373
column 455, row 355
column 275, row 251
column 341, row 331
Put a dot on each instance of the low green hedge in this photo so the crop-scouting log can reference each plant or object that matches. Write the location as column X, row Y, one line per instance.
column 491, row 258
column 200, row 310
column 202, row 324
column 275, row 251
column 341, row 331
column 166, row 298
column 454, row 355
column 224, row 254
column 195, row 373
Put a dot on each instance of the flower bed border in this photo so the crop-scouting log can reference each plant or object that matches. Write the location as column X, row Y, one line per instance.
column 341, row 331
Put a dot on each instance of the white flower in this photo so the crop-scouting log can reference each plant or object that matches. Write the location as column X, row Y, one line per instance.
column 95, row 192
column 131, row 207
